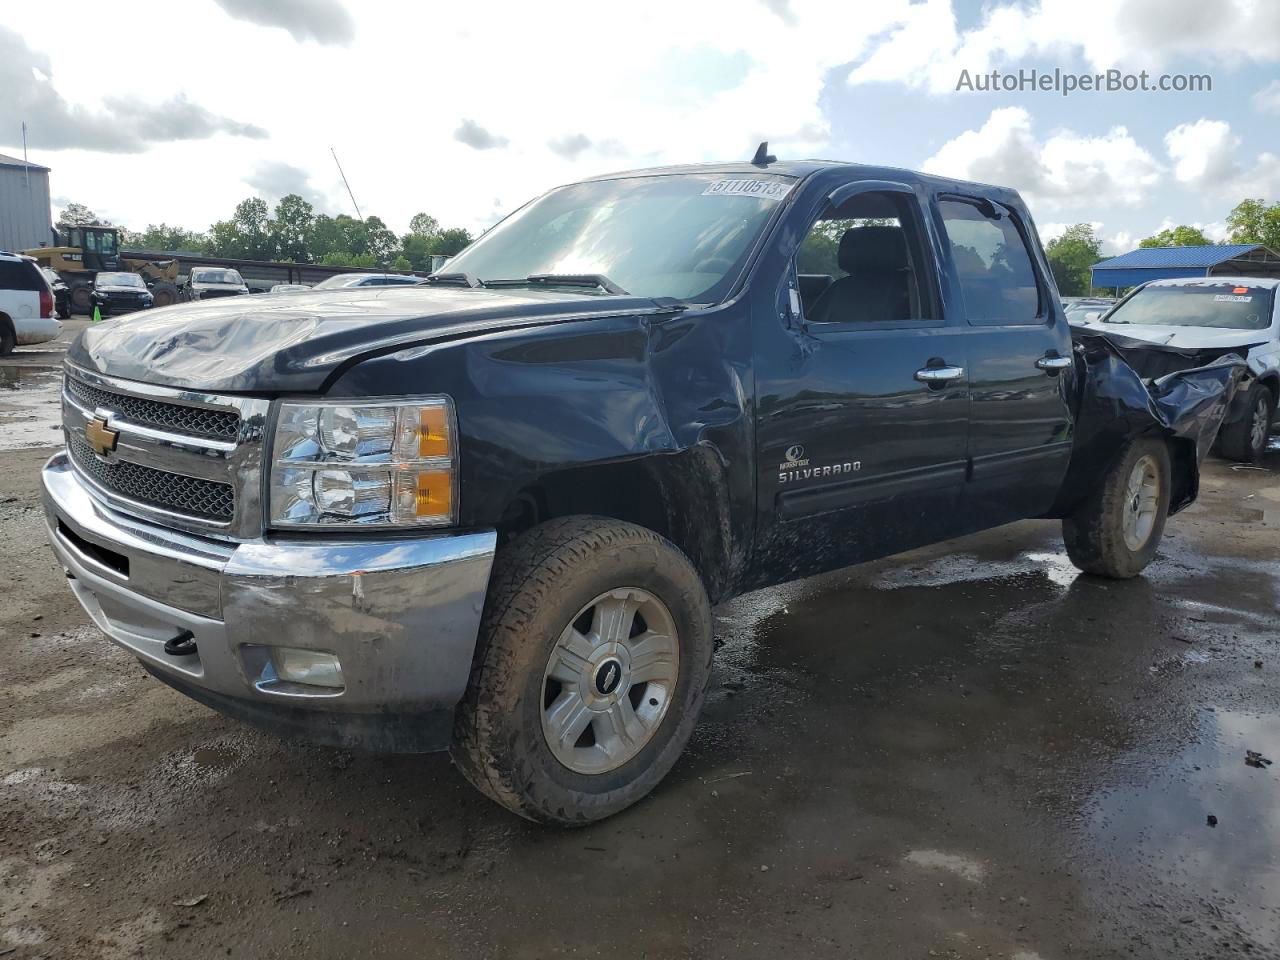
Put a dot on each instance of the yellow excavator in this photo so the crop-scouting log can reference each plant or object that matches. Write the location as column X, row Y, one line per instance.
column 81, row 252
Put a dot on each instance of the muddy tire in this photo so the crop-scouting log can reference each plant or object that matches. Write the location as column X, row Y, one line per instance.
column 1246, row 439
column 165, row 294
column 1116, row 531
column 589, row 673
column 8, row 339
column 81, row 299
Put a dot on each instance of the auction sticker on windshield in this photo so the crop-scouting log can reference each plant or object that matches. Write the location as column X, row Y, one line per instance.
column 764, row 189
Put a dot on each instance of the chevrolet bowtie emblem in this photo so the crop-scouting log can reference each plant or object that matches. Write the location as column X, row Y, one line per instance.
column 101, row 437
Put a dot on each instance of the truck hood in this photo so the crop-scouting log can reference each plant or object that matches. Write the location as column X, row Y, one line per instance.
column 1181, row 338
column 293, row 344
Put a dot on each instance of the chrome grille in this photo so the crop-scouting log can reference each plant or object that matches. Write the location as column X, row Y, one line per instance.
column 182, row 458
column 157, row 488
column 216, row 424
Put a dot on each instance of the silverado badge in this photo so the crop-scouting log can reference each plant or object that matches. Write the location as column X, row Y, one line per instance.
column 101, row 437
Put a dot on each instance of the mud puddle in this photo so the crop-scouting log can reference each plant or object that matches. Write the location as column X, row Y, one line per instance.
column 30, row 407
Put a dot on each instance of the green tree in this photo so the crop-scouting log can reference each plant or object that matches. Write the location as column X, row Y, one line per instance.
column 290, row 229
column 423, row 225
column 1253, row 221
column 163, row 237
column 1180, row 236
column 247, row 235
column 78, row 215
column 426, row 239
column 452, row 241
column 1071, row 257
column 345, row 258
column 401, row 264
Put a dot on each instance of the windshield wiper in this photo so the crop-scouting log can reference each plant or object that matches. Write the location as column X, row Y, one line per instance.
column 462, row 279
column 597, row 280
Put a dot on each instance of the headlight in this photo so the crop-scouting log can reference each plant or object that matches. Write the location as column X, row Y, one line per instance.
column 335, row 464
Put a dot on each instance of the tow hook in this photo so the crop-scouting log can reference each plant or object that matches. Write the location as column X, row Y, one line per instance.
column 183, row 645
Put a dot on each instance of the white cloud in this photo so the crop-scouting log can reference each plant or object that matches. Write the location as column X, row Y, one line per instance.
column 1204, row 157
column 1267, row 100
column 477, row 137
column 928, row 50
column 123, row 123
column 1065, row 171
column 324, row 21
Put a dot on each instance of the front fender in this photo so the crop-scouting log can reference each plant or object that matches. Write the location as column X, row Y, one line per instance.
column 646, row 419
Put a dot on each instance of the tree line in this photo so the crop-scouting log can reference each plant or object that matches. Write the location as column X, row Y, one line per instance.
column 293, row 232
column 1072, row 255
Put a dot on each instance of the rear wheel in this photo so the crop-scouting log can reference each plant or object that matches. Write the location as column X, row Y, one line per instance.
column 1246, row 439
column 590, row 671
column 8, row 339
column 1116, row 531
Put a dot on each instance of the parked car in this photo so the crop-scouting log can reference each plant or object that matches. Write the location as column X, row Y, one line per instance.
column 26, row 304
column 61, row 293
column 1209, row 318
column 492, row 513
column 206, row 283
column 120, row 293
column 367, row 280
column 289, row 288
column 1086, row 308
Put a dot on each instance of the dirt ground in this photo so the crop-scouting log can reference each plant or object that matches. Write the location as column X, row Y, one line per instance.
column 964, row 752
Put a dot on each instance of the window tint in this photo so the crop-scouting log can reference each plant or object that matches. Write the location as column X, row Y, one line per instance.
column 996, row 277
column 864, row 262
column 20, row 275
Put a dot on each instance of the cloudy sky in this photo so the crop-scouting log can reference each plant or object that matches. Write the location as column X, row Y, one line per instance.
column 465, row 112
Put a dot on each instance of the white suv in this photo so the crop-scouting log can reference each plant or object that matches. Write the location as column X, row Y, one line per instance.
column 26, row 304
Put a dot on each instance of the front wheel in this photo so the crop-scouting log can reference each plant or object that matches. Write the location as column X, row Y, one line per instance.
column 590, row 671
column 1246, row 439
column 1116, row 531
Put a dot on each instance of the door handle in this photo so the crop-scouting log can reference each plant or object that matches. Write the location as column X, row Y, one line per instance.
column 1054, row 364
column 939, row 375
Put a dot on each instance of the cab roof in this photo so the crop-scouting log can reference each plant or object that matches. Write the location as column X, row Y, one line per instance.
column 803, row 169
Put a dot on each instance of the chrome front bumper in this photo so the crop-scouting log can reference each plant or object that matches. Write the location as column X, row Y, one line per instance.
column 401, row 615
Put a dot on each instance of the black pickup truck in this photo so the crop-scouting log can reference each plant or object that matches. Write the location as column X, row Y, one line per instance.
column 492, row 513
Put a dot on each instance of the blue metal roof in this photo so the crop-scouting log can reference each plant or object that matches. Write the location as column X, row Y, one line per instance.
column 1167, row 263
column 1166, row 257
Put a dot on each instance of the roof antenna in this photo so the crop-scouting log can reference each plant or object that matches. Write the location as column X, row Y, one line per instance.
column 763, row 157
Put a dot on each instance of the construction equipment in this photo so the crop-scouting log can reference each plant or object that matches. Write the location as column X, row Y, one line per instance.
column 80, row 251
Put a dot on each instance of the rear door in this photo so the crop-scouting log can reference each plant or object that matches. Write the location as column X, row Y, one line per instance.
column 863, row 412
column 1021, row 374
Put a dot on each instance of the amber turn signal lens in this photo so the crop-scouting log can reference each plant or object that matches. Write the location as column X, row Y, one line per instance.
column 434, row 494
column 433, row 431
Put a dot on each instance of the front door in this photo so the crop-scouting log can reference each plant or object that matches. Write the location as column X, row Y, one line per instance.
column 863, row 400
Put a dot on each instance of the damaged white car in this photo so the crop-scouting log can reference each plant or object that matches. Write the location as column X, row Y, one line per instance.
column 1196, row 321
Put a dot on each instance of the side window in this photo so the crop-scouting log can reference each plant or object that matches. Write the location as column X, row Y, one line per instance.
column 865, row 262
column 997, row 279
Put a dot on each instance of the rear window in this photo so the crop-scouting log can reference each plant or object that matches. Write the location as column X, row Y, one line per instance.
column 1227, row 306
column 997, row 279
column 20, row 275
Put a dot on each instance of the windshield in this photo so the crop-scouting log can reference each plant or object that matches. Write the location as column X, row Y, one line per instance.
column 684, row 237
column 118, row 280
column 339, row 280
column 215, row 276
column 1227, row 306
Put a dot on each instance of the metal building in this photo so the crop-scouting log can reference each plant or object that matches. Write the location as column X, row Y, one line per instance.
column 1173, row 263
column 25, row 215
